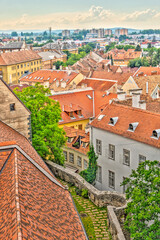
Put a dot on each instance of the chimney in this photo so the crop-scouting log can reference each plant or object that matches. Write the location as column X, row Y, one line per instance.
column 57, row 83
column 63, row 84
column 142, row 104
column 121, row 96
column 135, row 100
column 146, row 87
column 46, row 84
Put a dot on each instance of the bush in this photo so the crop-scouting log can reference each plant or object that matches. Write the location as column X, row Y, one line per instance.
column 84, row 193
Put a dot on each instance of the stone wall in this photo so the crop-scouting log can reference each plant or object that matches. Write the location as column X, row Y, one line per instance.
column 99, row 198
column 115, row 203
column 19, row 119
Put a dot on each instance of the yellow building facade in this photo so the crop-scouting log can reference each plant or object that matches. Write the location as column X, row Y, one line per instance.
column 14, row 64
column 12, row 73
column 81, row 124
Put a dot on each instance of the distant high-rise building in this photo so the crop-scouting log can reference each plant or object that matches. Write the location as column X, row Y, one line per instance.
column 66, row 33
column 101, row 32
column 94, row 31
column 117, row 32
column 108, row 32
column 124, row 31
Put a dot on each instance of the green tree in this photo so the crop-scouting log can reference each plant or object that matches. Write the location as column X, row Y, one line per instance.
column 138, row 48
column 14, row 34
column 110, row 46
column 47, row 137
column 58, row 64
column 89, row 174
column 143, row 209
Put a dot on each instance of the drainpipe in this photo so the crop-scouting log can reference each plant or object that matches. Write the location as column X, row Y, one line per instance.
column 93, row 105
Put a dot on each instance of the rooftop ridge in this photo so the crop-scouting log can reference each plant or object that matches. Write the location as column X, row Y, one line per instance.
column 135, row 109
column 105, row 80
column 17, row 201
column 15, row 146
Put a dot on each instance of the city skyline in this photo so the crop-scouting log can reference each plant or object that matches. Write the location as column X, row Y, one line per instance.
column 71, row 14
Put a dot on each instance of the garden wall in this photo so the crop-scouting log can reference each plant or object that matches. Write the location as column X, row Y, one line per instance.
column 114, row 202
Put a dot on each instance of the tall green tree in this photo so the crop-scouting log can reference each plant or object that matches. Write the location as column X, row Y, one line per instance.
column 138, row 48
column 89, row 174
column 143, row 209
column 47, row 137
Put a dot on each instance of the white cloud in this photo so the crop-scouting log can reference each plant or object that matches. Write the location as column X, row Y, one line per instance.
column 140, row 15
column 96, row 16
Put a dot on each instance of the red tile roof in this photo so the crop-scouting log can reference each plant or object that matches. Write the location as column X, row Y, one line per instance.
column 97, row 84
column 147, row 71
column 8, row 134
column 75, row 133
column 50, row 75
column 31, row 205
column 10, row 58
column 73, row 101
column 121, row 78
column 121, row 54
column 148, row 122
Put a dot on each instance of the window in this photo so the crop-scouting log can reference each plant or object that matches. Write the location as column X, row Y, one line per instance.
column 79, row 161
column 22, row 73
column 80, row 127
column 12, row 107
column 17, row 66
column 34, row 69
column 71, row 157
column 21, row 65
column 111, row 151
column 99, row 174
column 111, row 179
column 18, row 73
column 142, row 158
column 31, row 63
column 37, row 62
column 69, row 139
column 65, row 155
column 24, row 65
column 85, row 164
column 71, row 114
column 34, row 63
column 126, row 157
column 98, row 146
column 83, row 144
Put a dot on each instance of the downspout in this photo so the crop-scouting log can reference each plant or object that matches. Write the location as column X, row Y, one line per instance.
column 93, row 105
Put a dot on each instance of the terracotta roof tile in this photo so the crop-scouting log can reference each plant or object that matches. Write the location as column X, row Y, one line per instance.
column 153, row 81
column 50, row 75
column 97, row 84
column 74, row 101
column 121, row 78
column 76, row 133
column 147, row 71
column 10, row 58
column 147, row 123
column 32, row 206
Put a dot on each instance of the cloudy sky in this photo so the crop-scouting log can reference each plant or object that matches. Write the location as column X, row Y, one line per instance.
column 72, row 14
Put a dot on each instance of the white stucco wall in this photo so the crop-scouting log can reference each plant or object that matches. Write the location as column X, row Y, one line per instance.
column 117, row 166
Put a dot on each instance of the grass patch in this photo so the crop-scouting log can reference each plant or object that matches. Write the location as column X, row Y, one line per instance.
column 88, row 225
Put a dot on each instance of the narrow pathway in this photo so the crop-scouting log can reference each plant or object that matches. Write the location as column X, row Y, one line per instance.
column 93, row 217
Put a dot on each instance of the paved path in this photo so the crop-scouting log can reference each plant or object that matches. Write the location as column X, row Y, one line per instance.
column 98, row 216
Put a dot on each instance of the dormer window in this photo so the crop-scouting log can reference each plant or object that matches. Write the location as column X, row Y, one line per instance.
column 79, row 113
column 69, row 139
column 101, row 117
column 71, row 114
column 113, row 121
column 133, row 126
column 156, row 133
